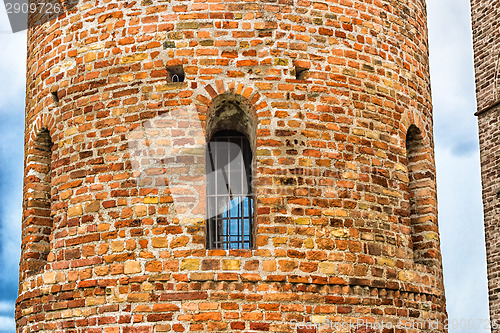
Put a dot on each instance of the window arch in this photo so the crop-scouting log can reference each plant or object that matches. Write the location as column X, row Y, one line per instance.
column 230, row 202
column 422, row 198
column 231, row 137
column 37, row 221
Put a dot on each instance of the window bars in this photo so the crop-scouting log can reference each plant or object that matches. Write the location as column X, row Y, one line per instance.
column 230, row 202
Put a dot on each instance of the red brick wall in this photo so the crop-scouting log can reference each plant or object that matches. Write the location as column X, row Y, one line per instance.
column 486, row 30
column 334, row 234
column 489, row 139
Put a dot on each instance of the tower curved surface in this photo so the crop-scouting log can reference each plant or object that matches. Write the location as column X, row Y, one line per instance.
column 334, row 97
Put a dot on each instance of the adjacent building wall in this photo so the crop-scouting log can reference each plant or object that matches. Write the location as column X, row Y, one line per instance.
column 486, row 29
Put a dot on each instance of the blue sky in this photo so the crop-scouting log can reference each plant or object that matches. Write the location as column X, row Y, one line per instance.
column 456, row 144
column 12, row 81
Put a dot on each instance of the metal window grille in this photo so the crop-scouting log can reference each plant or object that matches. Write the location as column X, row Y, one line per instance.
column 230, row 200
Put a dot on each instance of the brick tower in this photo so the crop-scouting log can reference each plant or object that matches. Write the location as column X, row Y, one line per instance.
column 486, row 29
column 234, row 166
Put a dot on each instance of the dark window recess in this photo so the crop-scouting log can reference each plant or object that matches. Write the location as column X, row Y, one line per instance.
column 175, row 73
column 230, row 202
column 300, row 73
column 55, row 98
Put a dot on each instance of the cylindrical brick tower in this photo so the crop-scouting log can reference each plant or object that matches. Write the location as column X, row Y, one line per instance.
column 330, row 104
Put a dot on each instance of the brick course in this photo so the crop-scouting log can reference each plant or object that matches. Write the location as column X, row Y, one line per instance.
column 346, row 224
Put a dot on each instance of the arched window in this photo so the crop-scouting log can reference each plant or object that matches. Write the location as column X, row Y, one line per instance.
column 37, row 222
column 422, row 197
column 229, row 191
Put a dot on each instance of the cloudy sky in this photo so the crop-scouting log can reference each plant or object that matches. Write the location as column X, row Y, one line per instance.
column 457, row 154
column 457, row 151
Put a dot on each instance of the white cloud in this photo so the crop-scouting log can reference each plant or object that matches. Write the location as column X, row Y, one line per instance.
column 6, row 307
column 7, row 324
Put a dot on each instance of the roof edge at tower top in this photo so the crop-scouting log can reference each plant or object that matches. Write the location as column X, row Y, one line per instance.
column 488, row 108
